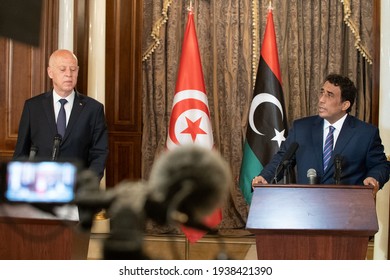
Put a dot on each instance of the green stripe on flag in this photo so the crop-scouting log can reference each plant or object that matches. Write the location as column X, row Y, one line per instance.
column 250, row 168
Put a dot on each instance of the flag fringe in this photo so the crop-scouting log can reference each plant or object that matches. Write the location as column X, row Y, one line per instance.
column 156, row 30
column 352, row 26
column 255, row 40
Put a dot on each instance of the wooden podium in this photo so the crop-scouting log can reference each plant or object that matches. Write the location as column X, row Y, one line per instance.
column 312, row 222
column 27, row 233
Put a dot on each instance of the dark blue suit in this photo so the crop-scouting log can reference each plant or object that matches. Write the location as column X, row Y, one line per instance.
column 85, row 138
column 358, row 143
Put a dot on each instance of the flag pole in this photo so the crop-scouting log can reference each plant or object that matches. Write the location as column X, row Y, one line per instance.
column 270, row 5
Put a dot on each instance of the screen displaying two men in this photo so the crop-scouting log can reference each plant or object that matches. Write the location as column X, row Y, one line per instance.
column 39, row 182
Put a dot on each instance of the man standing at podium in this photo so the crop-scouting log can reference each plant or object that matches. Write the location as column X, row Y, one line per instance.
column 332, row 147
column 63, row 123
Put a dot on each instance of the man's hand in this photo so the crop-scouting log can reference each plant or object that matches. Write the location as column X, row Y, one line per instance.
column 259, row 180
column 370, row 181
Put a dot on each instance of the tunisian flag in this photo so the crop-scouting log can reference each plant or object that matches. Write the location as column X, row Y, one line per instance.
column 267, row 125
column 190, row 118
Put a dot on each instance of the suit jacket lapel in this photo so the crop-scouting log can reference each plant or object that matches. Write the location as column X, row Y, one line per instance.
column 78, row 105
column 317, row 138
column 47, row 103
column 347, row 131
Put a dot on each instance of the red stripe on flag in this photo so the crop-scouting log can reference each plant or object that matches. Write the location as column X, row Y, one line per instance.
column 190, row 74
column 269, row 50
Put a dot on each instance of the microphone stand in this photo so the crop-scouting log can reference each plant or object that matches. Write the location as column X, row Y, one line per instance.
column 284, row 166
column 337, row 176
column 285, row 176
column 287, row 172
column 337, row 171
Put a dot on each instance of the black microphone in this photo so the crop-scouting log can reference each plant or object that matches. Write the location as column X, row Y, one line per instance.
column 338, row 159
column 286, row 158
column 56, row 146
column 33, row 152
column 187, row 184
column 312, row 175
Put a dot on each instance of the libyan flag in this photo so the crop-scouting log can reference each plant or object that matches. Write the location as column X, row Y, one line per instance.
column 267, row 125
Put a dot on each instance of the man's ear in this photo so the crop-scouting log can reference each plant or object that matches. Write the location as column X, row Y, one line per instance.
column 49, row 72
column 346, row 105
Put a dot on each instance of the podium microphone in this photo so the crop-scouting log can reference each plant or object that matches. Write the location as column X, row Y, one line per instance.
column 33, row 152
column 312, row 175
column 56, row 146
column 286, row 160
column 337, row 163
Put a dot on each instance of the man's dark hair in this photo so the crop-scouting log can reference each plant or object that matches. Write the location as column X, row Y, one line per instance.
column 347, row 87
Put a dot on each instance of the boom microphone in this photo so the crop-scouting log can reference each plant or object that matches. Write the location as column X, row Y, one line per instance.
column 312, row 175
column 56, row 146
column 286, row 158
column 187, row 184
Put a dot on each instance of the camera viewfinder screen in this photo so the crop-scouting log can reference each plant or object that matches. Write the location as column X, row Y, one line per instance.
column 40, row 182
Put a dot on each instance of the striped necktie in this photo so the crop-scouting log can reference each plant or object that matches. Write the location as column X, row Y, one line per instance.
column 328, row 148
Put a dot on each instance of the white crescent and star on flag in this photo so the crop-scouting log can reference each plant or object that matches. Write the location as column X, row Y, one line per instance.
column 257, row 101
column 190, row 120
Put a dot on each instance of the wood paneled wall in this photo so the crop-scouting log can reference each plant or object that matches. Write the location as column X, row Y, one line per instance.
column 124, row 89
column 23, row 75
column 80, row 43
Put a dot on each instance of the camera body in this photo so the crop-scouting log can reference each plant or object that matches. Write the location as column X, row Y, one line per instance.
column 38, row 182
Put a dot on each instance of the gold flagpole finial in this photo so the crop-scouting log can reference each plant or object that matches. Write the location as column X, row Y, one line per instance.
column 270, row 5
column 190, row 8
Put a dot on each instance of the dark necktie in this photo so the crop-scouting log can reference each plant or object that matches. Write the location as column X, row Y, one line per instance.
column 61, row 119
column 328, row 147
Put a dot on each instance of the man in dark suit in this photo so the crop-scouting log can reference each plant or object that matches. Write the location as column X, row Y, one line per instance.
column 353, row 145
column 83, row 136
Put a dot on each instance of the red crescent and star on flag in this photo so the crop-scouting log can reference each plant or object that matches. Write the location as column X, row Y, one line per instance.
column 190, row 120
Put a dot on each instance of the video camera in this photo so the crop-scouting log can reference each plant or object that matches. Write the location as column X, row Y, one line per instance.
column 185, row 185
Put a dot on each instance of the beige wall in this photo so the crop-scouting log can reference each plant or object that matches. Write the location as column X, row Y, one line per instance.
column 381, row 238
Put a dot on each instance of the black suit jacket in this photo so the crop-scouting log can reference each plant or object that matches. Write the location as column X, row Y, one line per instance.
column 358, row 144
column 85, row 138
